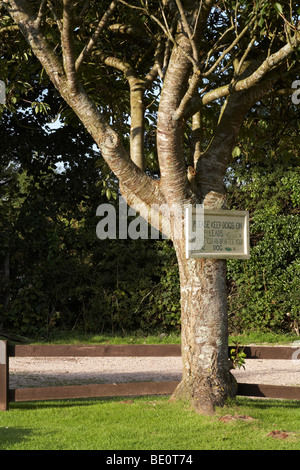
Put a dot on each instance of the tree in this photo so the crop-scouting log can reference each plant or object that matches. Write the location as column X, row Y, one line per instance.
column 193, row 69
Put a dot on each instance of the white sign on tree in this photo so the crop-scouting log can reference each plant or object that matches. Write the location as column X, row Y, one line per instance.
column 225, row 234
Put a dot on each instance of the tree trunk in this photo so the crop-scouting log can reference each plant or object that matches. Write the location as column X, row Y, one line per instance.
column 206, row 378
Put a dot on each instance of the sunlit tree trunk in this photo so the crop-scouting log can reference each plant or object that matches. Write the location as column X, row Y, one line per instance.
column 206, row 379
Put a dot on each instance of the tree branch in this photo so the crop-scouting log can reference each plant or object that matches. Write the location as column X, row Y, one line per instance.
column 193, row 85
column 68, row 45
column 228, row 49
column 22, row 13
column 156, row 214
column 137, row 89
column 40, row 13
column 109, row 143
column 55, row 16
column 92, row 42
column 196, row 138
column 157, row 68
column 188, row 32
column 169, row 129
column 269, row 64
column 212, row 165
column 8, row 29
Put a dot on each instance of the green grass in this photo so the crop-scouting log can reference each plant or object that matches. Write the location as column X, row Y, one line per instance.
column 147, row 423
column 258, row 337
column 66, row 337
column 140, row 337
column 127, row 338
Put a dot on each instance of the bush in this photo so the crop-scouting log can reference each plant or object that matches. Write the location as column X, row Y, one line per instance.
column 264, row 290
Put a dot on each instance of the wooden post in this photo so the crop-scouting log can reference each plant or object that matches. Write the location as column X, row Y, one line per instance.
column 4, row 377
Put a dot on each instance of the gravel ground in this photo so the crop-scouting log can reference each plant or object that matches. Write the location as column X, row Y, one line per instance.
column 36, row 372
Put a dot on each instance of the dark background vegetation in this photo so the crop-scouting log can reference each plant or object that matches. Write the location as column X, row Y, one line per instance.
column 61, row 276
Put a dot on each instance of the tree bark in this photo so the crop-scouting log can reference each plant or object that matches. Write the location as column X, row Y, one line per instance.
column 207, row 381
column 206, row 378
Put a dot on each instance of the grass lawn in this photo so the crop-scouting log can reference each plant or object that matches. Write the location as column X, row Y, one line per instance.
column 139, row 337
column 148, row 423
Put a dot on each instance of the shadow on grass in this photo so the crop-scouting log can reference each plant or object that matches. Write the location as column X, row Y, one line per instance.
column 265, row 403
column 254, row 403
column 10, row 436
column 67, row 403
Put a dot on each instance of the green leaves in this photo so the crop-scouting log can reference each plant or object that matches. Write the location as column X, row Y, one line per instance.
column 107, row 189
column 237, row 357
column 278, row 8
column 236, row 152
column 262, row 289
column 40, row 107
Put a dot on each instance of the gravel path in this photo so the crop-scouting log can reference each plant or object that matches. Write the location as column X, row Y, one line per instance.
column 35, row 372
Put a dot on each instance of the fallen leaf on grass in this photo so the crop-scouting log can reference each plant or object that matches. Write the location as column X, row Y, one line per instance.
column 279, row 434
column 228, row 418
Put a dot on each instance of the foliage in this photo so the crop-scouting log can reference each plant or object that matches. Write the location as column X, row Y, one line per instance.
column 42, row 212
column 264, row 290
column 237, row 356
column 264, row 179
column 62, row 276
column 133, row 286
